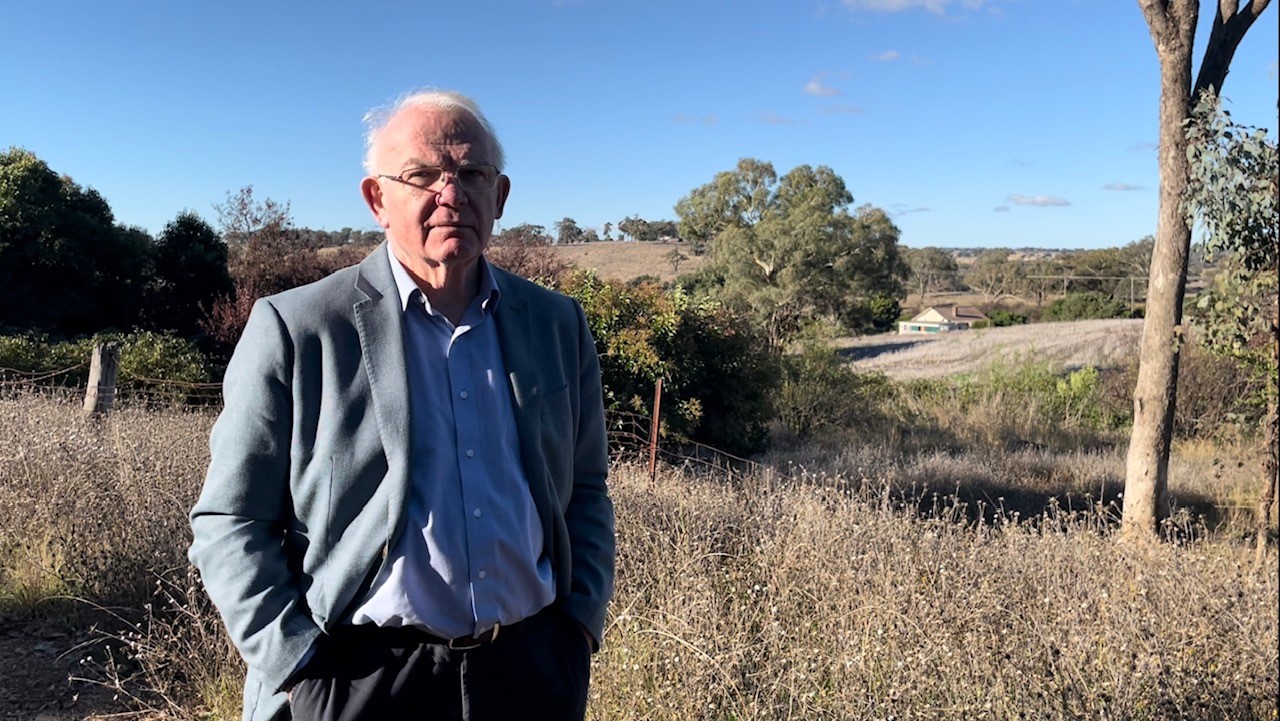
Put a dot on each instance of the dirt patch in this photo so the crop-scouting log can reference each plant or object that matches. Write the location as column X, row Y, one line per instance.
column 38, row 659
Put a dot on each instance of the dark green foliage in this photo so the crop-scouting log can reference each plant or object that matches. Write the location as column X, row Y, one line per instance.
column 1085, row 306
column 717, row 377
column 144, row 357
column 1233, row 193
column 65, row 267
column 189, row 275
column 788, row 252
column 1001, row 318
column 821, row 394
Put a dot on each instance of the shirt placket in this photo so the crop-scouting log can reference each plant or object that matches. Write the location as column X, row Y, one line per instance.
column 463, row 393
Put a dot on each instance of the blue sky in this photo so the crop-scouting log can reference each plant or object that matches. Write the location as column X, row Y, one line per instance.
column 973, row 122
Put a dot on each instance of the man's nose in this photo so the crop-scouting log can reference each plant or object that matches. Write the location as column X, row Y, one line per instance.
column 451, row 192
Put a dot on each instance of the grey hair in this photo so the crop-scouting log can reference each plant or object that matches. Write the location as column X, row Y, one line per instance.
column 448, row 100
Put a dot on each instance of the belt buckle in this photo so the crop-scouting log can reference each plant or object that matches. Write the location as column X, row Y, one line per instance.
column 456, row 644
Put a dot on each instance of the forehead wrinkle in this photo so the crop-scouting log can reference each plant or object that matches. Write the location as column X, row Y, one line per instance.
column 455, row 137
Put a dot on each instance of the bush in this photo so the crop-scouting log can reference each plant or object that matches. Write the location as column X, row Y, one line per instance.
column 1002, row 318
column 260, row 269
column 875, row 314
column 1085, row 306
column 1021, row 401
column 717, row 379
column 1217, row 396
column 145, row 358
column 821, row 394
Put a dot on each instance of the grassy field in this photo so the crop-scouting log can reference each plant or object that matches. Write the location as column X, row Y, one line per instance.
column 616, row 260
column 850, row 581
column 1071, row 345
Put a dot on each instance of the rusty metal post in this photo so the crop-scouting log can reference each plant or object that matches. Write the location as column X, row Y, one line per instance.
column 653, row 433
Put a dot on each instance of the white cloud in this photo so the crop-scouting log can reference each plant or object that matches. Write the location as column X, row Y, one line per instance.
column 815, row 87
column 1001, row 209
column 937, row 7
column 887, row 56
column 1039, row 201
column 1122, row 186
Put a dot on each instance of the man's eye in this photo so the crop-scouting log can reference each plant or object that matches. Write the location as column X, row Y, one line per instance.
column 423, row 177
column 472, row 175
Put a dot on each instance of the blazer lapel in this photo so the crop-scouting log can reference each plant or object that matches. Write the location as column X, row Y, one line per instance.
column 515, row 334
column 379, row 323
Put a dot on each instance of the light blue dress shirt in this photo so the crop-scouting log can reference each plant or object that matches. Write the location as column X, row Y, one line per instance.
column 471, row 553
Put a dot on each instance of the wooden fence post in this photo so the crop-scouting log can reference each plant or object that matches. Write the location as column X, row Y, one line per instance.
column 653, row 434
column 101, row 392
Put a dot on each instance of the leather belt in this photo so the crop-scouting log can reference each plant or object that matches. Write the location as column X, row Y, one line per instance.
column 412, row 635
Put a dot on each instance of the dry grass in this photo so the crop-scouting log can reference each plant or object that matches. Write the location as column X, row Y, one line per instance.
column 1070, row 345
column 820, row 590
column 808, row 598
column 616, row 260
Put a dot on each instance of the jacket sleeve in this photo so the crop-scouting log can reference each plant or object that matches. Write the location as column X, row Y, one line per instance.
column 238, row 524
column 589, row 515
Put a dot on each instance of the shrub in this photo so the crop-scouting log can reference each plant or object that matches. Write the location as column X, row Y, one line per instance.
column 1217, row 396
column 528, row 256
column 260, row 269
column 1001, row 318
column 1085, row 306
column 717, row 379
column 875, row 314
column 821, row 394
column 145, row 357
column 1020, row 401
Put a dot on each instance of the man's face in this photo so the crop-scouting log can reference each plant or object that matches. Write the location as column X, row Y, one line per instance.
column 445, row 225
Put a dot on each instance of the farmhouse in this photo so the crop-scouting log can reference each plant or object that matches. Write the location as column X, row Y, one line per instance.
column 942, row 319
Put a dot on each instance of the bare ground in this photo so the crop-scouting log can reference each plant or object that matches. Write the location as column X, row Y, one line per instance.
column 1100, row 343
column 38, row 658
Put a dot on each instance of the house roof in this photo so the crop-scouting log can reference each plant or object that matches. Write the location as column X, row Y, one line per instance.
column 953, row 313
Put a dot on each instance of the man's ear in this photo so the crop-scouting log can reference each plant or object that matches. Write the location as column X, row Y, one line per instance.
column 371, row 190
column 504, row 189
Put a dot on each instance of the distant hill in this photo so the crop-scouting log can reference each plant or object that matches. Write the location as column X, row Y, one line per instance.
column 618, row 260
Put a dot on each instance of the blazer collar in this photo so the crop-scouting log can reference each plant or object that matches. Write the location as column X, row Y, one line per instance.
column 378, row 320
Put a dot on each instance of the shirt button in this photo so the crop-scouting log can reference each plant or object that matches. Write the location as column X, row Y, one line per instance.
column 476, row 513
column 463, row 395
column 482, row 574
column 471, row 453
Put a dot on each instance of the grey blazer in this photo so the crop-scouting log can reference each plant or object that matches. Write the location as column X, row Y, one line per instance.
column 308, row 478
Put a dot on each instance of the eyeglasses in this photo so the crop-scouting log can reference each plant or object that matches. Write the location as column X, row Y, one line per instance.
column 477, row 177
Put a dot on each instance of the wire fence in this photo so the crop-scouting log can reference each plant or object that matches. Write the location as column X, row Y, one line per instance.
column 629, row 433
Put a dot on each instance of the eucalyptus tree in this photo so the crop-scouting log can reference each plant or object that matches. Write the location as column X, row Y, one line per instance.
column 1172, row 24
column 1234, row 194
column 790, row 251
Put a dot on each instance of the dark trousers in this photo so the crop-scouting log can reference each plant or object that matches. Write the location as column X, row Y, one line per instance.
column 537, row 669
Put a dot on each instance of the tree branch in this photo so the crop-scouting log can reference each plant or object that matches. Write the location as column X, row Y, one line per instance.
column 1229, row 26
column 1157, row 15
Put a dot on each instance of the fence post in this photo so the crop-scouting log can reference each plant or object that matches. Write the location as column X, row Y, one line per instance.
column 653, row 434
column 101, row 392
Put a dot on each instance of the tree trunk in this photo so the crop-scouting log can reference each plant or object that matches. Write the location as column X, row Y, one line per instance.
column 1146, row 487
column 1271, row 465
column 1173, row 28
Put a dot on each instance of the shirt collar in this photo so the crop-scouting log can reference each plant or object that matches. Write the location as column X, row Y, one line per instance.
column 406, row 287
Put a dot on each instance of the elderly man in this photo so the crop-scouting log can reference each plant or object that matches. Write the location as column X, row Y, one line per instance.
column 405, row 514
